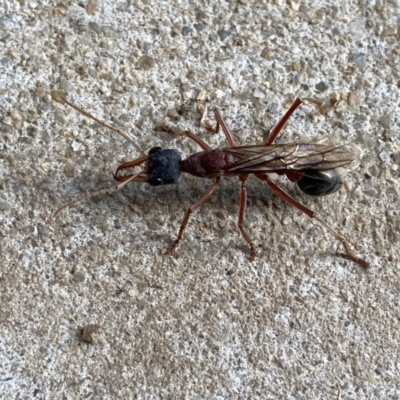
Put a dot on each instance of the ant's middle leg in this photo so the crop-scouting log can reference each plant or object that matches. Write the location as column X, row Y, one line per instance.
column 220, row 123
column 190, row 135
column 191, row 209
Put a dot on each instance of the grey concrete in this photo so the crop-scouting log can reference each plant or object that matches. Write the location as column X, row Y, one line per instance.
column 301, row 321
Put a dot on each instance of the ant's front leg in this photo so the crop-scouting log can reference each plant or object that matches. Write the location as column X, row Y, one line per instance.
column 190, row 210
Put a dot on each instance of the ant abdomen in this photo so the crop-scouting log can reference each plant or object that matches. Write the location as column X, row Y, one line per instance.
column 319, row 183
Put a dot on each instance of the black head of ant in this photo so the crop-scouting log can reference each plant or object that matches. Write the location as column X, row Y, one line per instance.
column 162, row 167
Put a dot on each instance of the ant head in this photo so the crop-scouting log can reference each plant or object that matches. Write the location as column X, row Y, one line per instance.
column 319, row 183
column 163, row 166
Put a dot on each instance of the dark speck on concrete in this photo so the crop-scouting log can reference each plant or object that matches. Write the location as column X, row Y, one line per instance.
column 223, row 34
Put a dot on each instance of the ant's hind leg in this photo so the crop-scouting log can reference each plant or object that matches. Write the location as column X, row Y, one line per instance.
column 289, row 199
column 242, row 211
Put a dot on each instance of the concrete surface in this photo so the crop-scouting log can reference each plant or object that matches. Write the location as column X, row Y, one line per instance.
column 301, row 321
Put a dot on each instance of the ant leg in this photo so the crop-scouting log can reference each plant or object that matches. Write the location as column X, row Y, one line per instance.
column 190, row 135
column 279, row 126
column 191, row 209
column 207, row 125
column 202, row 144
column 114, row 188
column 220, row 123
column 242, row 210
column 324, row 106
column 285, row 196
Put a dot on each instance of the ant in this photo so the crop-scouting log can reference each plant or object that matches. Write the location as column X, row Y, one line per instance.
column 313, row 167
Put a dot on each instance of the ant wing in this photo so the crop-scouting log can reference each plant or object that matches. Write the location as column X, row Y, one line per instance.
column 354, row 164
column 291, row 157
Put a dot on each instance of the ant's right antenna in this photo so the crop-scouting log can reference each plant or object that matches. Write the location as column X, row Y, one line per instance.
column 57, row 96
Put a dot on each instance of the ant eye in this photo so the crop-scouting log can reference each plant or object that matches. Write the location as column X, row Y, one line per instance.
column 319, row 183
column 155, row 181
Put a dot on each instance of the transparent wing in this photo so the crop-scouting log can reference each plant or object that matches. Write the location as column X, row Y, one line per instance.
column 292, row 157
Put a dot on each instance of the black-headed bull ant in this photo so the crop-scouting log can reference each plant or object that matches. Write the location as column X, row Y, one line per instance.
column 314, row 167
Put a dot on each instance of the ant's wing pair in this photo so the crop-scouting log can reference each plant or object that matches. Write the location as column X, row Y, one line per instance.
column 294, row 157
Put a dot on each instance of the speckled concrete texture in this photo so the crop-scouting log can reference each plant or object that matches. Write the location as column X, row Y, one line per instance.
column 301, row 321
